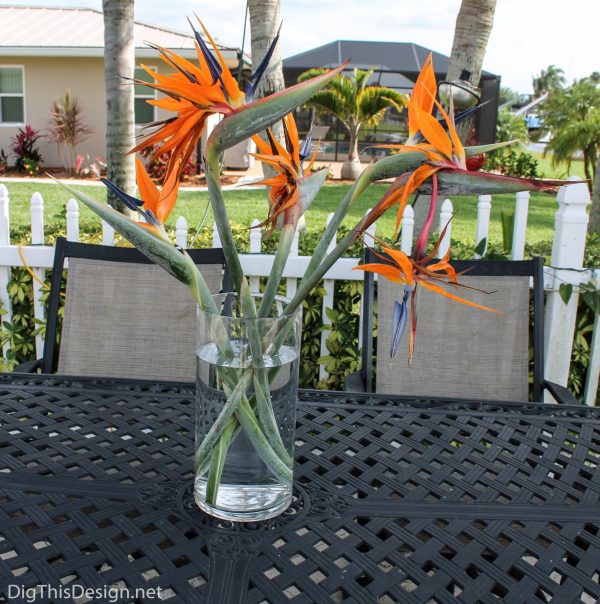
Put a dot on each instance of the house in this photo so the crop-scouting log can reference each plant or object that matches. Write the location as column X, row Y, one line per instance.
column 46, row 51
column 396, row 65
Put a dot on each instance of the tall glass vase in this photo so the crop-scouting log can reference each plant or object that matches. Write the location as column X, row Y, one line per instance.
column 246, row 395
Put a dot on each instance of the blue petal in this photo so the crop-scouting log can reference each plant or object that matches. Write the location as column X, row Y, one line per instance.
column 133, row 203
column 399, row 319
column 305, row 150
column 213, row 65
column 249, row 92
column 262, row 66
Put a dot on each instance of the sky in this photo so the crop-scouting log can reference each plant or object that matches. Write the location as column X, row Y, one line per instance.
column 528, row 35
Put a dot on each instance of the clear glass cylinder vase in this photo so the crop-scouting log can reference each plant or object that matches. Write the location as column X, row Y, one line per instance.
column 246, row 396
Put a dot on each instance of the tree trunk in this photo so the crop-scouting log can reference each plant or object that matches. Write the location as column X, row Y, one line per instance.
column 352, row 168
column 471, row 33
column 119, row 63
column 264, row 23
column 594, row 224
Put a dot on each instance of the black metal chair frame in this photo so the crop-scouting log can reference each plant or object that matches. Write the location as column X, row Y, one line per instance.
column 69, row 249
column 363, row 379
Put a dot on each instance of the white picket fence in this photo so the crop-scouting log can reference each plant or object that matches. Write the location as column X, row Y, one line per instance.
column 566, row 266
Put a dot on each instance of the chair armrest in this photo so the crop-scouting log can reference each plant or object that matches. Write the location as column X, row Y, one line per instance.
column 354, row 382
column 28, row 366
column 561, row 394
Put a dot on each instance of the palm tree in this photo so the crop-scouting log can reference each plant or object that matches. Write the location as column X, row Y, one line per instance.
column 572, row 116
column 549, row 80
column 119, row 63
column 356, row 105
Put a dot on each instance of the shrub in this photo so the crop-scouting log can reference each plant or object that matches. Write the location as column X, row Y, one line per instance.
column 343, row 355
column 3, row 162
column 24, row 146
column 512, row 163
column 66, row 128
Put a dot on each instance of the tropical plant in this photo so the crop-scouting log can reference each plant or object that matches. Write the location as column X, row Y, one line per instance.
column 508, row 160
column 66, row 128
column 572, row 115
column 119, row 64
column 356, row 105
column 549, row 80
column 194, row 93
column 24, row 146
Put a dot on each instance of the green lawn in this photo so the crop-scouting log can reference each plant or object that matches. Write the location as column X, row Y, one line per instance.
column 560, row 170
column 244, row 205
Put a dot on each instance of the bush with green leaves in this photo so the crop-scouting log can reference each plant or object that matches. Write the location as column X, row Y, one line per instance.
column 342, row 343
column 511, row 161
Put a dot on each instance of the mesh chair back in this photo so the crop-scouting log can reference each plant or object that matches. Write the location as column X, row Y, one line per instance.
column 459, row 351
column 129, row 319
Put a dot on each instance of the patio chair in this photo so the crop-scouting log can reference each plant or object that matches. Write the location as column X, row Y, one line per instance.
column 124, row 316
column 461, row 351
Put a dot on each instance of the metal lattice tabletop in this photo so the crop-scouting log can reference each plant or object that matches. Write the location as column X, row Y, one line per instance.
column 396, row 500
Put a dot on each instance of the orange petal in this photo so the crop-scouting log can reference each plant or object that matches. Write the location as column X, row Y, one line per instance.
column 434, row 132
column 440, row 290
column 148, row 191
column 423, row 91
column 386, row 270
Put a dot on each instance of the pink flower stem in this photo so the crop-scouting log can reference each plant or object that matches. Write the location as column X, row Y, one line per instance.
column 421, row 246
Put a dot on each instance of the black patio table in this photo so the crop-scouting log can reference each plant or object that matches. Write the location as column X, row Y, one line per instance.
column 396, row 500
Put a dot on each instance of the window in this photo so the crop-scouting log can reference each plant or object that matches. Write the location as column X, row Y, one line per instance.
column 12, row 109
column 144, row 112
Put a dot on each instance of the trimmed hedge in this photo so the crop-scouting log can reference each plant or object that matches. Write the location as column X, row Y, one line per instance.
column 342, row 343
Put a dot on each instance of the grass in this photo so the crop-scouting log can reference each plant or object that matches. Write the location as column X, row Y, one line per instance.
column 560, row 170
column 244, row 205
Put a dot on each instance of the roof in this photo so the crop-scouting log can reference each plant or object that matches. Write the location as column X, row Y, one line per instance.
column 59, row 31
column 401, row 57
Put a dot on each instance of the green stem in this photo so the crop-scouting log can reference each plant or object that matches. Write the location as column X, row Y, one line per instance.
column 218, row 461
column 262, row 391
column 229, row 408
column 217, row 201
column 246, row 417
column 351, row 196
column 286, row 238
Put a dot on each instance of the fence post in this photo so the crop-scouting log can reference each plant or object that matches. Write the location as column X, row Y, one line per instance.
column 181, row 232
column 5, row 270
column 37, row 238
column 72, row 220
column 408, row 225
column 329, row 286
column 520, row 225
column 108, row 234
column 291, row 282
column 570, row 228
column 216, row 238
column 484, row 207
column 255, row 245
column 445, row 223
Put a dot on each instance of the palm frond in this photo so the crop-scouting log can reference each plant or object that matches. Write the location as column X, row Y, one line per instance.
column 373, row 101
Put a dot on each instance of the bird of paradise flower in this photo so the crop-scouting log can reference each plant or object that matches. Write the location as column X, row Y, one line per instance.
column 194, row 92
column 426, row 272
column 285, row 206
